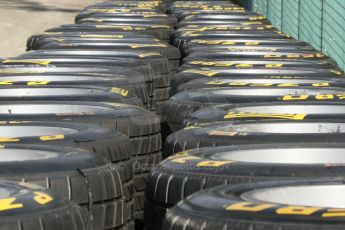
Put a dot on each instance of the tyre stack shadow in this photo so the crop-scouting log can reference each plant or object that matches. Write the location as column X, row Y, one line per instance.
column 81, row 110
column 256, row 112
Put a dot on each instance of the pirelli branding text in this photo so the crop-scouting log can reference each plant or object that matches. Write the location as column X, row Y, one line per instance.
column 236, row 64
column 183, row 158
column 320, row 97
column 290, row 210
column 11, row 203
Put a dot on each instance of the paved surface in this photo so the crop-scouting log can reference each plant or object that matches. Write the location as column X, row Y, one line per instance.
column 21, row 18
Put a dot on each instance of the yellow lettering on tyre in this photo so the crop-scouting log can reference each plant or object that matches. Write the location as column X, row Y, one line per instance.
column 248, row 207
column 9, row 139
column 122, row 92
column 182, row 160
column 288, row 85
column 295, row 97
column 42, row 198
column 6, row 82
column 334, row 212
column 215, row 83
column 213, row 163
column 233, row 115
column 135, row 46
column 260, row 84
column 237, row 84
column 209, row 73
column 8, row 204
column 249, row 66
column 323, row 84
column 53, row 137
column 37, row 82
column 252, row 43
column 337, row 72
column 297, row 210
column 37, row 62
column 272, row 56
column 274, row 66
column 142, row 55
column 324, row 97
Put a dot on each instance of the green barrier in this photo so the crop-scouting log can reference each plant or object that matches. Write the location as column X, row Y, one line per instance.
column 318, row 22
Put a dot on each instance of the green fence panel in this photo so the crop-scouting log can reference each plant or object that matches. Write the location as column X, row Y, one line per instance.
column 311, row 22
column 275, row 12
column 261, row 7
column 321, row 23
column 290, row 17
column 333, row 29
column 249, row 5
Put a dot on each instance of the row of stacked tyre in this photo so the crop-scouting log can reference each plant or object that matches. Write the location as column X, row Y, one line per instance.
column 95, row 86
column 256, row 124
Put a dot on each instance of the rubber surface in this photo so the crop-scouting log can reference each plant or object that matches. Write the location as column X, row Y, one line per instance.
column 226, row 207
column 34, row 208
column 192, row 171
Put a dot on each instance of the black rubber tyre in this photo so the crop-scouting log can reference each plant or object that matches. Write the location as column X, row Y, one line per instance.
column 232, row 17
column 35, row 40
column 259, row 64
column 220, row 28
column 192, row 74
column 209, row 13
column 243, row 48
column 141, row 126
column 160, row 78
column 151, row 62
column 162, row 94
column 110, row 144
column 162, row 32
column 233, row 54
column 211, row 43
column 132, row 121
column 269, row 81
column 224, row 206
column 180, row 106
column 83, row 61
column 134, row 84
column 180, row 39
column 254, row 132
column 313, row 110
column 67, row 93
column 159, row 6
column 166, row 50
column 32, row 208
column 186, row 173
column 247, row 29
column 115, row 20
column 73, row 174
column 155, row 18
column 219, row 22
column 105, row 142
column 24, row 70
column 181, row 15
column 158, row 64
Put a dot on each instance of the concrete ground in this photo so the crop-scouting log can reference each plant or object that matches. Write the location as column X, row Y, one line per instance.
column 19, row 19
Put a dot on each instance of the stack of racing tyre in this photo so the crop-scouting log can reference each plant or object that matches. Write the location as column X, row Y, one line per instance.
column 256, row 128
column 254, row 120
column 83, row 105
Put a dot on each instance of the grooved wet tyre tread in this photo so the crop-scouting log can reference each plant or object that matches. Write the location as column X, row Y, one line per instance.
column 86, row 179
column 218, row 208
column 49, row 213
